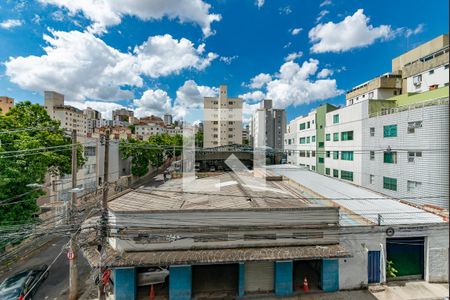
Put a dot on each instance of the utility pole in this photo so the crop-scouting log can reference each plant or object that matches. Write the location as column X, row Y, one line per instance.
column 104, row 217
column 73, row 268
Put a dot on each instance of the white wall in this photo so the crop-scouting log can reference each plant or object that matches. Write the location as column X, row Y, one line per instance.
column 440, row 77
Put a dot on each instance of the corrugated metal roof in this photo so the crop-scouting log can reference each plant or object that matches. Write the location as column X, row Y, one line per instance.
column 359, row 200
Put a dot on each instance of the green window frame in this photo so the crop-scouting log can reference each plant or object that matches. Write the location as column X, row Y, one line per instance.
column 390, row 183
column 347, row 136
column 336, row 119
column 308, row 140
column 328, row 137
column 390, row 157
column 302, row 140
column 335, row 173
column 302, row 126
column 347, row 175
column 347, row 155
column 320, row 160
column 390, row 130
column 336, row 136
column 328, row 153
column 308, row 124
column 327, row 171
column 335, row 154
column 320, row 144
column 313, row 138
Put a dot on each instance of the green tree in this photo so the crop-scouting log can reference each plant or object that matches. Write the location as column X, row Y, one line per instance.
column 139, row 153
column 132, row 127
column 199, row 139
column 25, row 127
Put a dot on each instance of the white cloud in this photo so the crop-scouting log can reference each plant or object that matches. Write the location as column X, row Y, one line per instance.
column 190, row 95
column 253, row 96
column 152, row 102
column 286, row 10
column 259, row 3
column 294, row 85
column 260, row 80
column 36, row 19
column 58, row 16
column 293, row 56
column 321, row 15
column 352, row 32
column 324, row 73
column 11, row 23
column 417, row 30
column 82, row 66
column 295, row 31
column 105, row 108
column 228, row 59
column 162, row 55
column 287, row 45
column 106, row 13
column 325, row 3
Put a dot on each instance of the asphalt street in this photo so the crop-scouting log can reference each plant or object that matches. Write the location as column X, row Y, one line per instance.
column 57, row 283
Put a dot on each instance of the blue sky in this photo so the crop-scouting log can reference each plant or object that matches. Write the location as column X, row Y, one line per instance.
column 156, row 56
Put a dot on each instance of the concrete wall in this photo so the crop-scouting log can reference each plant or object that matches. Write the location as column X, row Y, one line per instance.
column 295, row 134
column 438, row 76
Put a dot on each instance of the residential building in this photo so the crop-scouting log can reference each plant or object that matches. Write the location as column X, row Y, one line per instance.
column 167, row 119
column 268, row 127
column 222, row 120
column 122, row 115
column 5, row 104
column 70, row 117
column 93, row 118
column 246, row 135
column 144, row 131
column 267, row 242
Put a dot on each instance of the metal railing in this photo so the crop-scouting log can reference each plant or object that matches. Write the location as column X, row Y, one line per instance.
column 394, row 110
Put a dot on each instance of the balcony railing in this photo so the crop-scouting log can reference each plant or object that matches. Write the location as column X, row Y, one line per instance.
column 394, row 110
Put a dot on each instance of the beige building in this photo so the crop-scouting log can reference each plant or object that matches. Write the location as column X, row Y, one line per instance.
column 222, row 120
column 5, row 104
column 69, row 116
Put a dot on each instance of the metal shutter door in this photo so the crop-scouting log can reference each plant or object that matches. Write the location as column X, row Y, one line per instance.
column 259, row 277
column 374, row 268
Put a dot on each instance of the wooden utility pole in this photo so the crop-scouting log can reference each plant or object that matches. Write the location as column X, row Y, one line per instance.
column 104, row 217
column 73, row 268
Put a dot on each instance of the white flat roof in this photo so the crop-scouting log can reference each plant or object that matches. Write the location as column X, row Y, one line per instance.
column 359, row 200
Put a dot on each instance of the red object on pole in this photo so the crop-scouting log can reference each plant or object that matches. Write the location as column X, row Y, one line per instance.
column 152, row 292
column 305, row 285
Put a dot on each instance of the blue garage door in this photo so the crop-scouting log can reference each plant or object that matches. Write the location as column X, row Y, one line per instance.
column 374, row 267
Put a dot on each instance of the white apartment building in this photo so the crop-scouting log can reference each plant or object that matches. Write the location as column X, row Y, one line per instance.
column 168, row 120
column 146, row 130
column 93, row 118
column 268, row 126
column 222, row 120
column 70, row 117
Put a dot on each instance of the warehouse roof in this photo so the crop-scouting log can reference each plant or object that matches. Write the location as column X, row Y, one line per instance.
column 225, row 191
column 356, row 199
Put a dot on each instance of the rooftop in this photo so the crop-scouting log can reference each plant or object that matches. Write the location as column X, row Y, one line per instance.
column 357, row 200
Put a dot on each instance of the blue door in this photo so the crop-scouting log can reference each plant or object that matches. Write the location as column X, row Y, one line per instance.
column 374, row 267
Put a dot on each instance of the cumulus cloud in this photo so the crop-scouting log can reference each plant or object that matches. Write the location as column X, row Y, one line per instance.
column 294, row 84
column 325, row 3
column 162, row 55
column 106, row 13
column 321, row 15
column 414, row 31
column 352, row 32
column 82, row 66
column 152, row 102
column 190, row 95
column 324, row 73
column 11, row 23
column 293, row 56
column 260, row 80
column 228, row 59
column 253, row 96
column 295, row 31
column 259, row 3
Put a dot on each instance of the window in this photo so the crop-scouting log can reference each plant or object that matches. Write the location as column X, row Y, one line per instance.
column 230, row 129
column 347, row 136
column 335, row 119
column 412, row 155
column 431, row 72
column 446, row 66
column 327, row 171
column 328, row 137
column 412, row 185
column 390, row 131
column 230, row 103
column 89, row 150
column 372, row 131
column 313, row 153
column 302, row 153
column 308, row 140
column 308, row 124
column 335, row 173
column 289, row 141
column 230, row 122
column 320, row 144
column 390, row 157
column 347, row 175
column 336, row 136
column 313, row 138
column 372, row 155
column 328, row 154
column 390, row 183
column 302, row 140
column 417, row 80
column 230, row 136
column 347, row 155
column 320, row 160
column 371, row 178
column 412, row 126
column 307, row 153
column 302, row 126
column 335, row 154
column 313, row 168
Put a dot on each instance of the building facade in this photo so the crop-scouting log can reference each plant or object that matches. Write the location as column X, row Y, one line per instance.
column 168, row 119
column 5, row 104
column 222, row 120
column 268, row 127
column 122, row 115
column 93, row 118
